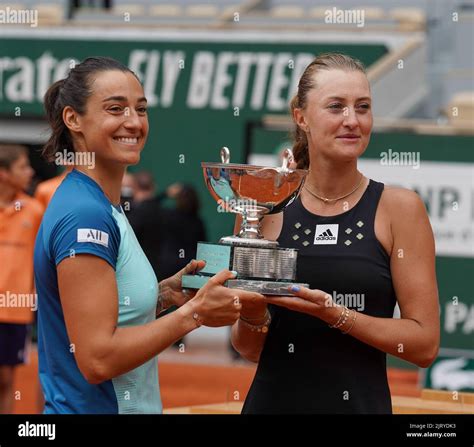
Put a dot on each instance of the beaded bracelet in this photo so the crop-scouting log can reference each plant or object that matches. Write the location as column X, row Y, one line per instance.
column 352, row 322
column 342, row 318
column 257, row 327
column 249, row 320
column 338, row 320
column 346, row 316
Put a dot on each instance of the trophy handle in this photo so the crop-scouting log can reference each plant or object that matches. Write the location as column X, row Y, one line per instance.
column 287, row 159
column 225, row 155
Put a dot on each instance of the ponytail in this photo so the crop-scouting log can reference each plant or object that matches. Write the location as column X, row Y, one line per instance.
column 60, row 137
column 300, row 142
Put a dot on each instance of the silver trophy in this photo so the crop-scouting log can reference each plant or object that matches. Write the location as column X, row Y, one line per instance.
column 253, row 192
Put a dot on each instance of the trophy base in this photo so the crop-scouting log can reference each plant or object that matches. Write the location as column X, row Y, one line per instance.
column 243, row 242
column 278, row 288
column 265, row 269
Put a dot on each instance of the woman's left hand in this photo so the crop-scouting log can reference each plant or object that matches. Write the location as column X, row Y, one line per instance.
column 171, row 292
column 309, row 301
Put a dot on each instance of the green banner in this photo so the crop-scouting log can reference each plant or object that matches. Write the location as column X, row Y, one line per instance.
column 251, row 77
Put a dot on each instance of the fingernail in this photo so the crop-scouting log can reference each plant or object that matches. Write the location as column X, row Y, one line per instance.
column 295, row 289
column 234, row 272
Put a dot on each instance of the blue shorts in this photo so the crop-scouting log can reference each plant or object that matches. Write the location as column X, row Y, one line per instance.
column 13, row 339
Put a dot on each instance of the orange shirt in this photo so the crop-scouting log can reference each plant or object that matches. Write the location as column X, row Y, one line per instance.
column 19, row 223
column 45, row 190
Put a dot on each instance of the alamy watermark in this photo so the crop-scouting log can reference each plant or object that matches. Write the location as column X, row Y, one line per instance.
column 345, row 16
column 19, row 16
column 229, row 205
column 30, row 429
column 69, row 158
column 19, row 300
column 395, row 158
column 351, row 300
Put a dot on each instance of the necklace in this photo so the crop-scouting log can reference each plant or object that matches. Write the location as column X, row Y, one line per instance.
column 327, row 200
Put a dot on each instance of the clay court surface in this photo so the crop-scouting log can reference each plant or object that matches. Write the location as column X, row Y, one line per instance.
column 205, row 376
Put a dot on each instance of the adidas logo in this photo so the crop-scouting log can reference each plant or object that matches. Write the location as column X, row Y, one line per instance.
column 326, row 234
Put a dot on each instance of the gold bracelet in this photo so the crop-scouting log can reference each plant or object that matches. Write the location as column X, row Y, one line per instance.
column 342, row 319
column 339, row 319
column 249, row 320
column 352, row 322
column 258, row 327
column 346, row 316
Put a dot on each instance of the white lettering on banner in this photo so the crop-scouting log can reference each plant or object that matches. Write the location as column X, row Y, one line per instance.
column 146, row 64
column 171, row 65
column 148, row 76
column 447, row 190
column 212, row 84
column 201, row 78
column 244, row 62
column 459, row 317
column 17, row 77
column 46, row 64
column 20, row 86
column 264, row 61
column 62, row 69
column 301, row 62
column 278, row 81
column 224, row 80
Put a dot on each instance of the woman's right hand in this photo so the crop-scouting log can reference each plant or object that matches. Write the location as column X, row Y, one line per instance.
column 215, row 305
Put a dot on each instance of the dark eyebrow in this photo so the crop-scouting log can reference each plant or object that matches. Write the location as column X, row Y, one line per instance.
column 338, row 98
column 122, row 99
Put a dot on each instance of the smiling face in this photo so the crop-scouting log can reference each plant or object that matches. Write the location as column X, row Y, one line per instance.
column 337, row 118
column 115, row 123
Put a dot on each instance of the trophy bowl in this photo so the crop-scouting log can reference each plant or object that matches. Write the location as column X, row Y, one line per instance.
column 251, row 192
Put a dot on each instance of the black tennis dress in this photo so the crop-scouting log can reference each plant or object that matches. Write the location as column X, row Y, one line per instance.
column 305, row 366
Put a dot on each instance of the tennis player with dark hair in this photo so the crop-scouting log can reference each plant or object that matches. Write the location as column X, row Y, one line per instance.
column 98, row 335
